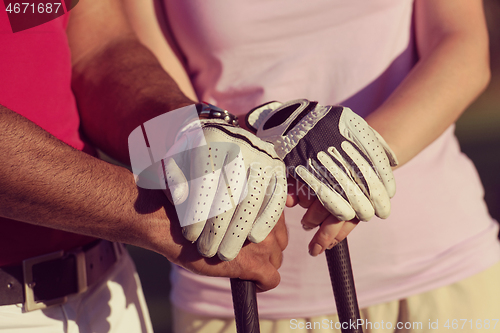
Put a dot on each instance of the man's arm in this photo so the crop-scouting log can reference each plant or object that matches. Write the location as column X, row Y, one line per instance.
column 118, row 83
column 48, row 183
column 152, row 30
column 45, row 182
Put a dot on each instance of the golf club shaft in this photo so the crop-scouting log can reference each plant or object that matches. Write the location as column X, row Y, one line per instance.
column 245, row 306
column 339, row 266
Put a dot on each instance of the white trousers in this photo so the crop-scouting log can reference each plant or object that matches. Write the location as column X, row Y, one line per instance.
column 114, row 304
column 471, row 305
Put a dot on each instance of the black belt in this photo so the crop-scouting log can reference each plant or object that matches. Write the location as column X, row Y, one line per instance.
column 48, row 279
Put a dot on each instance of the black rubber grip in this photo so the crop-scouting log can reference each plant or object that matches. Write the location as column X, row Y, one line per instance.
column 246, row 312
column 339, row 266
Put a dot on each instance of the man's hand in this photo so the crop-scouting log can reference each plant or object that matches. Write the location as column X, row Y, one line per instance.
column 227, row 185
column 119, row 85
column 256, row 262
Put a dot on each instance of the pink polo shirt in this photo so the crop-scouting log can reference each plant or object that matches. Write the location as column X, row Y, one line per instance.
column 35, row 81
column 243, row 53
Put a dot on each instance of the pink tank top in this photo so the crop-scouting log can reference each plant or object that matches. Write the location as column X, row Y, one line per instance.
column 243, row 53
column 35, row 81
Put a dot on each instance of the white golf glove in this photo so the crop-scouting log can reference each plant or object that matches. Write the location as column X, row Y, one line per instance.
column 227, row 185
column 332, row 150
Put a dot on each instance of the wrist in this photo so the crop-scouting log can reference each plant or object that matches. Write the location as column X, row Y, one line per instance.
column 209, row 111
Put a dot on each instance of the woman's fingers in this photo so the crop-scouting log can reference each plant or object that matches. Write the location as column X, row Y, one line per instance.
column 299, row 193
column 330, row 233
column 315, row 215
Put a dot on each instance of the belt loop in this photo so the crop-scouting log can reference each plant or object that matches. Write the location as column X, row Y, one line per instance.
column 118, row 247
column 81, row 269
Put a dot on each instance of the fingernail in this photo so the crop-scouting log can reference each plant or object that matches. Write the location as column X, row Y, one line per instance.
column 316, row 250
column 335, row 242
column 305, row 227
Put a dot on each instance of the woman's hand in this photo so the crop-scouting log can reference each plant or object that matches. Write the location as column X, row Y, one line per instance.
column 331, row 231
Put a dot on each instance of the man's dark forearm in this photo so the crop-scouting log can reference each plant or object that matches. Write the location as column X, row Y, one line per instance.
column 118, row 89
column 45, row 182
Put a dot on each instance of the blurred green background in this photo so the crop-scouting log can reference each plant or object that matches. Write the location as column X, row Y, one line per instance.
column 478, row 131
column 479, row 127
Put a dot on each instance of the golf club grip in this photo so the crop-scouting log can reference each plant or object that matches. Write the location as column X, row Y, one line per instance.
column 245, row 306
column 339, row 266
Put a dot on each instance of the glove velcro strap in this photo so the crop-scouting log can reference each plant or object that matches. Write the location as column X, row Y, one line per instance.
column 258, row 115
